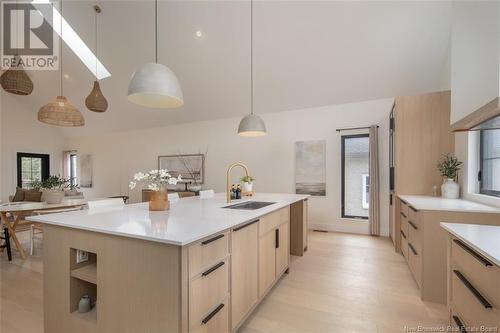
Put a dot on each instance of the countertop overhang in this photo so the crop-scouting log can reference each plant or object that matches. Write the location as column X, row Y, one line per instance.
column 482, row 238
column 187, row 221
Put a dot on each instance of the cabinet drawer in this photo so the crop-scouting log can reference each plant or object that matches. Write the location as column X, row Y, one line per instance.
column 404, row 208
column 273, row 220
column 207, row 291
column 404, row 225
column 472, row 305
column 481, row 273
column 216, row 321
column 415, row 263
column 404, row 244
column 206, row 253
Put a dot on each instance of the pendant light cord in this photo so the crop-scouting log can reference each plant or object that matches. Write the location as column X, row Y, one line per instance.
column 156, row 31
column 251, row 56
column 95, row 23
column 61, row 48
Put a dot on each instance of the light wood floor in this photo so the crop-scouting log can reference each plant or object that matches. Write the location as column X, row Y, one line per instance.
column 344, row 283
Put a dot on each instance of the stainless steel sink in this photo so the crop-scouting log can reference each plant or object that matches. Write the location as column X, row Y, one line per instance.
column 250, row 205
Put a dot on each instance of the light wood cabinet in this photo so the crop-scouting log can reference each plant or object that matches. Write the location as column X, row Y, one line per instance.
column 282, row 248
column 244, row 268
column 423, row 244
column 298, row 227
column 267, row 261
column 473, row 287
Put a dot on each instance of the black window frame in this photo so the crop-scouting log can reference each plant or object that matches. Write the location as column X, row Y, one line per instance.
column 342, row 171
column 45, row 165
column 480, row 177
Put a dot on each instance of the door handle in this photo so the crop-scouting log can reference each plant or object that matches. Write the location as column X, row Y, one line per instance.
column 277, row 238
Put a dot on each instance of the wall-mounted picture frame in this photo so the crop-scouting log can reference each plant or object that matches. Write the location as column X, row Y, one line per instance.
column 191, row 167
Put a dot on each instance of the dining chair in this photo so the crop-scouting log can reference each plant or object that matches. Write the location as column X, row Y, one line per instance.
column 6, row 238
column 110, row 202
column 173, row 196
column 206, row 194
column 37, row 229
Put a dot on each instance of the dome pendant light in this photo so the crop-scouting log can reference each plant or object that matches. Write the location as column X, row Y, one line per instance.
column 252, row 124
column 96, row 101
column 154, row 85
column 60, row 111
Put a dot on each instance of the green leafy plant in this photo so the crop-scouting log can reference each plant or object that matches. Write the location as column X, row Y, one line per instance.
column 449, row 166
column 247, row 179
column 51, row 183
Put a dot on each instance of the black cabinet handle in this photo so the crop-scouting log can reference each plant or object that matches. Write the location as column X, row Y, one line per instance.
column 208, row 241
column 460, row 325
column 245, row 225
column 402, row 234
column 412, row 249
column 413, row 209
column 277, row 238
column 210, row 270
column 403, row 202
column 473, row 253
column 473, row 290
column 413, row 225
column 211, row 314
column 403, row 214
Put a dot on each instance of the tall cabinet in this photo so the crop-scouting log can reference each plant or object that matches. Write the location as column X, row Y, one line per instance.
column 422, row 134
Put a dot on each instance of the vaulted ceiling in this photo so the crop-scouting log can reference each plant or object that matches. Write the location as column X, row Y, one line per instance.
column 306, row 54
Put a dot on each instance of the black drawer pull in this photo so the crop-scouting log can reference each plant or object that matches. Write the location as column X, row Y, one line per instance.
column 403, row 214
column 277, row 238
column 413, row 225
column 210, row 270
column 245, row 225
column 413, row 209
column 211, row 314
column 402, row 234
column 473, row 290
column 460, row 325
column 473, row 253
column 208, row 241
column 412, row 249
column 403, row 202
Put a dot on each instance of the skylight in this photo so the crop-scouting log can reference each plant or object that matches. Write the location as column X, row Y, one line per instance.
column 75, row 43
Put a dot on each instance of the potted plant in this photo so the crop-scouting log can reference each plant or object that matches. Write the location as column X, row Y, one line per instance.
column 247, row 184
column 449, row 166
column 52, row 189
column 157, row 181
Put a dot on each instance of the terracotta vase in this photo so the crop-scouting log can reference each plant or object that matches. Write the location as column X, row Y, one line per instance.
column 159, row 201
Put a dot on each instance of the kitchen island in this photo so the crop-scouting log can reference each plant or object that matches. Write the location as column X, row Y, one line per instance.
column 199, row 267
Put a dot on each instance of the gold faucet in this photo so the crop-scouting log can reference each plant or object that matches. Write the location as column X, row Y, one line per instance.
column 228, row 174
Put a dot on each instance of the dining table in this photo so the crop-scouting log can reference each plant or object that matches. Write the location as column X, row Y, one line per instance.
column 12, row 215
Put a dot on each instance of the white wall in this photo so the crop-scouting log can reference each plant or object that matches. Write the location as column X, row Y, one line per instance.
column 475, row 55
column 117, row 156
column 21, row 132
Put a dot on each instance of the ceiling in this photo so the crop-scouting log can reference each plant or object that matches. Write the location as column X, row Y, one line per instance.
column 306, row 54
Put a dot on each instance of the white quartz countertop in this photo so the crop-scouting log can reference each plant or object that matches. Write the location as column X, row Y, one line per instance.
column 420, row 202
column 187, row 221
column 482, row 238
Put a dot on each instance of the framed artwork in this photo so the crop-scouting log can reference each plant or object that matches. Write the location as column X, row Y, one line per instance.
column 191, row 167
column 85, row 170
column 310, row 167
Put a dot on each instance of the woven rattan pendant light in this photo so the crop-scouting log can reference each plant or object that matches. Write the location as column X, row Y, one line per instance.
column 15, row 80
column 60, row 111
column 96, row 101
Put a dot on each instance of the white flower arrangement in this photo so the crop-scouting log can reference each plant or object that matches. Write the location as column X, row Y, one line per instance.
column 157, row 179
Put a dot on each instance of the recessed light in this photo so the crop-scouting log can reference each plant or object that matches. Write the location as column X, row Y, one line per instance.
column 198, row 33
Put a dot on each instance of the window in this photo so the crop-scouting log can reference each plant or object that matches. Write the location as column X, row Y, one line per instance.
column 31, row 167
column 355, row 176
column 72, row 169
column 489, row 174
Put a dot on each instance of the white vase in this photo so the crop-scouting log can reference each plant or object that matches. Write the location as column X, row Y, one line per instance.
column 247, row 187
column 450, row 189
column 53, row 196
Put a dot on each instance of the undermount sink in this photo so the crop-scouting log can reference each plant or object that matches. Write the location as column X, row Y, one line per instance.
column 250, row 205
